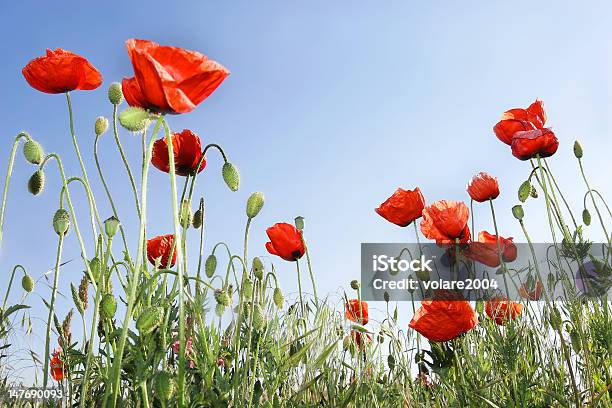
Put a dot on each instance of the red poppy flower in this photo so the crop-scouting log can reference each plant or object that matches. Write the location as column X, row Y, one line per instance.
column 529, row 144
column 61, row 71
column 187, row 153
column 501, row 310
column 362, row 340
column 160, row 248
column 56, row 365
column 483, row 187
column 357, row 311
column 485, row 250
column 285, row 241
column 169, row 79
column 444, row 319
column 446, row 221
column 403, row 207
column 517, row 120
column 531, row 290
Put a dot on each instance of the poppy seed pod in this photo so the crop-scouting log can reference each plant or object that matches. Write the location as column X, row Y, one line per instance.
column 164, row 386
column 258, row 268
column 231, row 176
column 101, row 125
column 198, row 218
column 111, row 226
column 134, row 119
column 61, row 222
column 299, row 223
column 27, row 283
column 524, row 191
column 149, row 319
column 254, row 204
column 278, row 297
column 210, row 265
column 578, row 150
column 33, row 151
column 108, row 306
column 518, row 212
column 36, row 183
column 115, row 94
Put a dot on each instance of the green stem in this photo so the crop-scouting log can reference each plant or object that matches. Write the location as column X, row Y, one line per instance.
column 601, row 221
column 314, row 285
column 125, row 161
column 58, row 261
column 499, row 253
column 11, row 283
column 297, row 264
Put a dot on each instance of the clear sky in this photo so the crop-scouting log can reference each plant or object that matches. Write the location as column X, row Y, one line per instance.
column 331, row 105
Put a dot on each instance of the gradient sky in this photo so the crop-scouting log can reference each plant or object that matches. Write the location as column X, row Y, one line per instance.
column 331, row 105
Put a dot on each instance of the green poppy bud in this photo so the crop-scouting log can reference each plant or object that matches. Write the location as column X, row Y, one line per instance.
column 247, row 288
column 278, row 297
column 219, row 309
column 115, row 93
column 254, row 204
column 386, row 296
column 259, row 318
column 355, row 284
column 101, row 125
column 222, row 297
column 231, row 176
column 108, row 306
column 586, row 217
column 518, row 212
column 210, row 265
column 578, row 150
column 149, row 319
column 36, row 183
column 33, row 151
column 111, row 226
column 258, row 268
column 134, row 119
column 524, row 191
column 95, row 266
column 61, row 222
column 299, row 223
column 186, row 215
column 164, row 386
column 198, row 219
column 27, row 283
column 391, row 362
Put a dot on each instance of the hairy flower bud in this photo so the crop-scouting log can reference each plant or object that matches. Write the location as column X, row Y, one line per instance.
column 111, row 226
column 586, row 217
column 231, row 176
column 222, row 297
column 578, row 150
column 299, row 223
column 61, row 222
column 115, row 93
column 36, row 183
column 219, row 309
column 95, row 267
column 247, row 288
column 149, row 319
column 524, row 191
column 33, row 151
column 185, row 215
column 210, row 265
column 386, row 296
column 27, row 283
column 258, row 268
column 518, row 212
column 278, row 297
column 254, row 204
column 198, row 218
column 164, row 386
column 101, row 125
column 134, row 119
column 259, row 318
column 108, row 306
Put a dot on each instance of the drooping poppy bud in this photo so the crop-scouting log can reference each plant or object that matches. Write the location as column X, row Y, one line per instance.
column 95, row 267
column 254, row 204
column 27, row 283
column 586, row 217
column 279, row 299
column 198, row 218
column 33, row 151
column 258, row 268
column 108, row 306
column 524, row 191
column 164, row 385
column 61, row 222
column 134, row 119
column 259, row 318
column 247, row 288
column 36, row 183
column 231, row 176
column 115, row 94
column 210, row 266
column 222, row 297
column 149, row 320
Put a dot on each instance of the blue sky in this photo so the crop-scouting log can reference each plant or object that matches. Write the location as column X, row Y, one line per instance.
column 329, row 108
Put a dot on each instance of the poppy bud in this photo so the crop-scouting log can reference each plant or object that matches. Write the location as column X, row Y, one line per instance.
column 386, row 296
column 198, row 218
column 278, row 297
column 210, row 265
column 578, row 150
column 222, row 297
column 149, row 319
column 108, row 306
column 391, row 362
column 36, row 183
column 164, row 386
column 518, row 212
column 61, row 222
column 27, row 283
column 259, row 319
column 134, row 119
column 355, row 284
column 524, row 191
column 219, row 309
column 95, row 266
column 586, row 217
column 247, row 288
column 186, row 214
column 231, row 176
column 101, row 125
column 258, row 268
column 299, row 223
column 33, row 151
column 111, row 225
column 115, row 93
column 254, row 204
column 575, row 339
